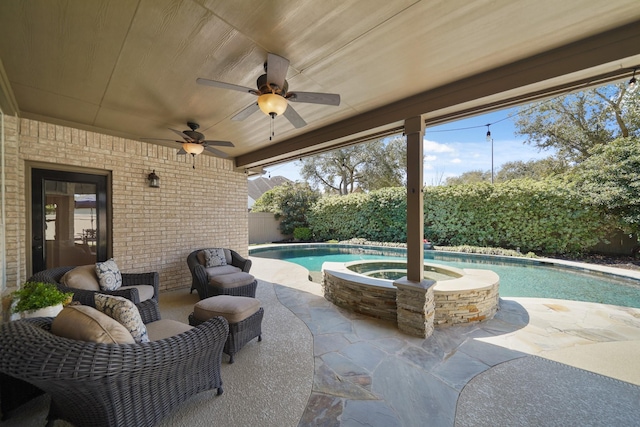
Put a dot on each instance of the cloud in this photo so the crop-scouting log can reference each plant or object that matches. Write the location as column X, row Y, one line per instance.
column 428, row 158
column 456, row 161
column 436, row 147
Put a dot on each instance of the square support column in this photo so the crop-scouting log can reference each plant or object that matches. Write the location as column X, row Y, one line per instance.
column 414, row 298
column 414, row 131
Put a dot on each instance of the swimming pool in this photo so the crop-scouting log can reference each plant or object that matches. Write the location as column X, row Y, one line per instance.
column 519, row 277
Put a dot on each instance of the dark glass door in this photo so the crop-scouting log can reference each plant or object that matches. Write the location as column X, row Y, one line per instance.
column 69, row 218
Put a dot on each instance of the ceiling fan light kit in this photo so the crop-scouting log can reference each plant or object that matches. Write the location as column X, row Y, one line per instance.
column 271, row 103
column 192, row 148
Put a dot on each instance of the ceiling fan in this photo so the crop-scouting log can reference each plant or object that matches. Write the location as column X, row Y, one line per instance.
column 194, row 142
column 273, row 93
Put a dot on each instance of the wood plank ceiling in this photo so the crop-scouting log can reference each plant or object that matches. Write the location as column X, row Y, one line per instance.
column 129, row 68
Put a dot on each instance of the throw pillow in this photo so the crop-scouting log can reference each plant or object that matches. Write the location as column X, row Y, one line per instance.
column 215, row 257
column 125, row 312
column 82, row 277
column 84, row 323
column 109, row 275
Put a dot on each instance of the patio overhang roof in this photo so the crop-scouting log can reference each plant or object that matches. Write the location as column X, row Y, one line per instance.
column 128, row 68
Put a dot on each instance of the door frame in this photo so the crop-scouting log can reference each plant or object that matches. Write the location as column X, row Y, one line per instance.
column 59, row 172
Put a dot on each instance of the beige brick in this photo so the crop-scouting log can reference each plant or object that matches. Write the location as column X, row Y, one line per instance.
column 154, row 229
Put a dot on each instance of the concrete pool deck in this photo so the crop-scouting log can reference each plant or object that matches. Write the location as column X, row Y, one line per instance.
column 538, row 362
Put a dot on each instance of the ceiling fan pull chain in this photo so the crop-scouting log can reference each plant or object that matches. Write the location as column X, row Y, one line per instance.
column 272, row 127
column 193, row 156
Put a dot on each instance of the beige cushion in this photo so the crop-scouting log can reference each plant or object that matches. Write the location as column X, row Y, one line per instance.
column 202, row 258
column 231, row 280
column 223, row 269
column 165, row 328
column 145, row 292
column 232, row 308
column 82, row 277
column 125, row 312
column 84, row 323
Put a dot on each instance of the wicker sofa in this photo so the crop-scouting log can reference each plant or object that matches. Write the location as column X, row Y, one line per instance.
column 93, row 384
column 128, row 290
column 236, row 265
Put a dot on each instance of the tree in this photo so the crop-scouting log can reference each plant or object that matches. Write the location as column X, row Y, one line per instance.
column 470, row 177
column 361, row 167
column 610, row 178
column 533, row 169
column 576, row 123
column 289, row 202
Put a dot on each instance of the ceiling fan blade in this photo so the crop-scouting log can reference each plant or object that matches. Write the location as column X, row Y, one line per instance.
column 246, row 112
column 216, row 152
column 314, row 98
column 293, row 116
column 277, row 68
column 184, row 135
column 219, row 143
column 181, row 151
column 223, row 85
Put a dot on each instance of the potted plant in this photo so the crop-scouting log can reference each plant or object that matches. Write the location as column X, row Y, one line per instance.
column 39, row 299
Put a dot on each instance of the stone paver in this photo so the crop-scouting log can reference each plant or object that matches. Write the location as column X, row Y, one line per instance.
column 411, row 380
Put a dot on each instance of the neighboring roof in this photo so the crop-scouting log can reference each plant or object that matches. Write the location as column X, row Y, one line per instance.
column 258, row 186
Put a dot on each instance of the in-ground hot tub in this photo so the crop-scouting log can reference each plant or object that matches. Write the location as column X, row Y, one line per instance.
column 366, row 287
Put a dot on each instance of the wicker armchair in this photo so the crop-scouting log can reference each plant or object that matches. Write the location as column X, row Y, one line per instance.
column 200, row 278
column 86, row 297
column 113, row 384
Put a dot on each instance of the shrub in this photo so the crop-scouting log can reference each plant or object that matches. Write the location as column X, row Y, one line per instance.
column 541, row 216
column 289, row 203
column 379, row 216
column 535, row 216
column 302, row 233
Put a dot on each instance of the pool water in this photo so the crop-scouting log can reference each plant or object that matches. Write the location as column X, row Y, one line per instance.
column 397, row 269
column 518, row 277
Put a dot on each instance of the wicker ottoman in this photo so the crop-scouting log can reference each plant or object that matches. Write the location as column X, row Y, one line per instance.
column 244, row 315
column 236, row 284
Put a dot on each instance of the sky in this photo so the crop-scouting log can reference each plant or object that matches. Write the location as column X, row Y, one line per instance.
column 457, row 147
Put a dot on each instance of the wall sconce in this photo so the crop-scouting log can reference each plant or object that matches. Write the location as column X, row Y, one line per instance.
column 154, row 180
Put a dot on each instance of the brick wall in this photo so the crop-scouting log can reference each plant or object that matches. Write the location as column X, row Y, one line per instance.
column 153, row 229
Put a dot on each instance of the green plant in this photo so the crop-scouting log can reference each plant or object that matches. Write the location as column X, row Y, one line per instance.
column 302, row 233
column 289, row 203
column 35, row 295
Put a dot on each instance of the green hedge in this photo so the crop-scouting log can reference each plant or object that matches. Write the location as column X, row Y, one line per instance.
column 540, row 216
column 379, row 215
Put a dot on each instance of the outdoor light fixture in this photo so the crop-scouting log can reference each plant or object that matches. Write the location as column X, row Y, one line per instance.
column 272, row 104
column 490, row 139
column 633, row 83
column 154, row 180
column 192, row 148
